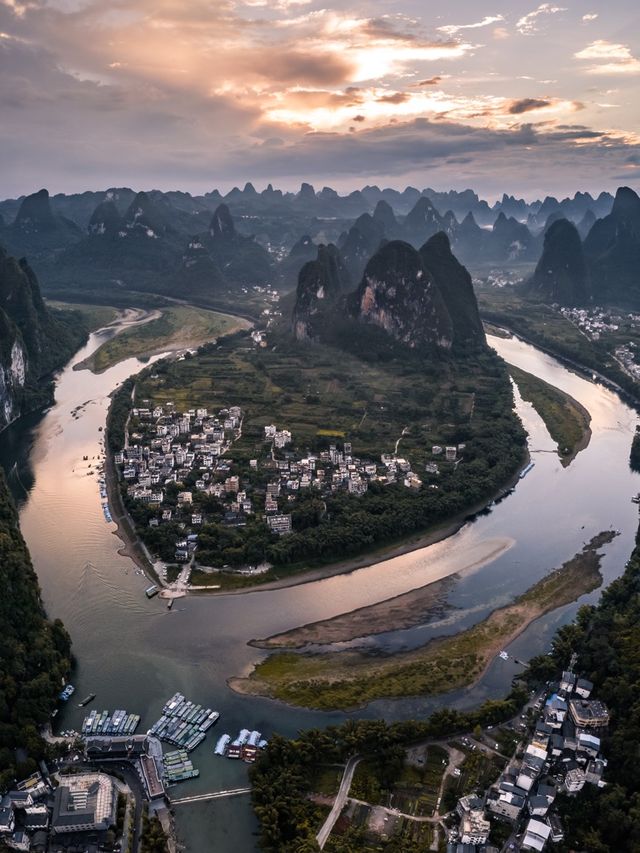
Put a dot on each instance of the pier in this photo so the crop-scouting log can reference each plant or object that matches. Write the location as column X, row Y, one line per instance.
column 214, row 795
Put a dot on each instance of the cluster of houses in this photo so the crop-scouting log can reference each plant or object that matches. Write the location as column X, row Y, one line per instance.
column 166, row 446
column 626, row 355
column 81, row 810
column 78, row 811
column 25, row 814
column 562, row 754
column 593, row 321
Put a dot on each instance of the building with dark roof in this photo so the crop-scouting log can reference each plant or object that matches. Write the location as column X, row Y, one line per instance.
column 84, row 803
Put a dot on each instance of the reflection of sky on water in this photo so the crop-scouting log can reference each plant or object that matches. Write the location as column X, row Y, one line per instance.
column 134, row 653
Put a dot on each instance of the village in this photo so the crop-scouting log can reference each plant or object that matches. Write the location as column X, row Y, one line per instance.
column 560, row 755
column 180, row 466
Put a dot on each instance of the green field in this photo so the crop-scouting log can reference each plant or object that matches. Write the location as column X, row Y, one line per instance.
column 325, row 395
column 178, row 327
column 321, row 394
column 344, row 680
column 566, row 420
column 94, row 316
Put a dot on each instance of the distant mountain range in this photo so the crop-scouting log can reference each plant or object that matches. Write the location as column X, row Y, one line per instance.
column 209, row 247
column 604, row 267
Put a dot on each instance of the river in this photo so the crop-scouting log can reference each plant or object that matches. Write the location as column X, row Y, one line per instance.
column 134, row 653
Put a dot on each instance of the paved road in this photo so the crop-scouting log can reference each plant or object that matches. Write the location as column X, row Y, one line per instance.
column 341, row 798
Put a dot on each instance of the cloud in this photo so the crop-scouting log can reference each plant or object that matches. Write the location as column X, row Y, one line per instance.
column 452, row 29
column 610, row 58
column 280, row 5
column 525, row 105
column 394, row 98
column 147, row 92
column 590, row 16
column 529, row 23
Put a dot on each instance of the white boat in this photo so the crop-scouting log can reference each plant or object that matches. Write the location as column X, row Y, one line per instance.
column 221, row 746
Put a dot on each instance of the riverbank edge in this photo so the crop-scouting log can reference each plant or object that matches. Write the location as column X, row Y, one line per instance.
column 245, row 685
column 145, row 315
column 585, row 438
column 582, row 370
column 411, row 543
column 175, row 347
column 132, row 547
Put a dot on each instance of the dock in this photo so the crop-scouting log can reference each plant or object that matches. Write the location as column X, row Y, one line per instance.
column 118, row 723
column 183, row 723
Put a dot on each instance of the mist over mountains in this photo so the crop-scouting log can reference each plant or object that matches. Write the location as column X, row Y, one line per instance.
column 209, row 247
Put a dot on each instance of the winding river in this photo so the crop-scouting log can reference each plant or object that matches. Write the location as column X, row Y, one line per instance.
column 134, row 653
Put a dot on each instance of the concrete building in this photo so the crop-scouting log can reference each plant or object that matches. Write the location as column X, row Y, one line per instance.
column 589, row 713
column 83, row 803
column 536, row 835
column 474, row 827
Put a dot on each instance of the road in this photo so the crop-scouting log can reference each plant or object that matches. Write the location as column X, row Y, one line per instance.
column 341, row 799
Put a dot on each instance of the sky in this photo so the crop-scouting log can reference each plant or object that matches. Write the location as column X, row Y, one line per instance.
column 503, row 96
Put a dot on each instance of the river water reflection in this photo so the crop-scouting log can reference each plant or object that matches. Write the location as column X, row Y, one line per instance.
column 134, row 654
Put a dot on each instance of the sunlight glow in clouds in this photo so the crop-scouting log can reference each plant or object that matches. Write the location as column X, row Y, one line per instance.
column 244, row 88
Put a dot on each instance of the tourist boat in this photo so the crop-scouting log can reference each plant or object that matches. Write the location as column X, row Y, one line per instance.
column 66, row 693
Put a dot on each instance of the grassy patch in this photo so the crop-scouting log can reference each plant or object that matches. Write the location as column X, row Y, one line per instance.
column 478, row 772
column 565, row 418
column 94, row 316
column 326, row 780
column 177, row 327
column 350, row 679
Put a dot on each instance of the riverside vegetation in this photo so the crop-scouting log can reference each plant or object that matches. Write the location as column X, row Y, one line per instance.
column 567, row 420
column 344, row 680
column 287, row 770
column 605, row 638
column 177, row 326
column 35, row 654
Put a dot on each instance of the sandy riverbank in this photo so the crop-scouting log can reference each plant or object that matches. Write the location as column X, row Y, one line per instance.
column 393, row 614
column 406, row 546
column 351, row 679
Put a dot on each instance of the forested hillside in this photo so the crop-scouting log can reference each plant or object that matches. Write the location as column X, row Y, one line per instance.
column 606, row 639
column 35, row 654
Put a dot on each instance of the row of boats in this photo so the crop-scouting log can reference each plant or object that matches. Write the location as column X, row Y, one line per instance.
column 178, row 767
column 102, row 485
column 118, row 723
column 183, row 723
column 244, row 746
